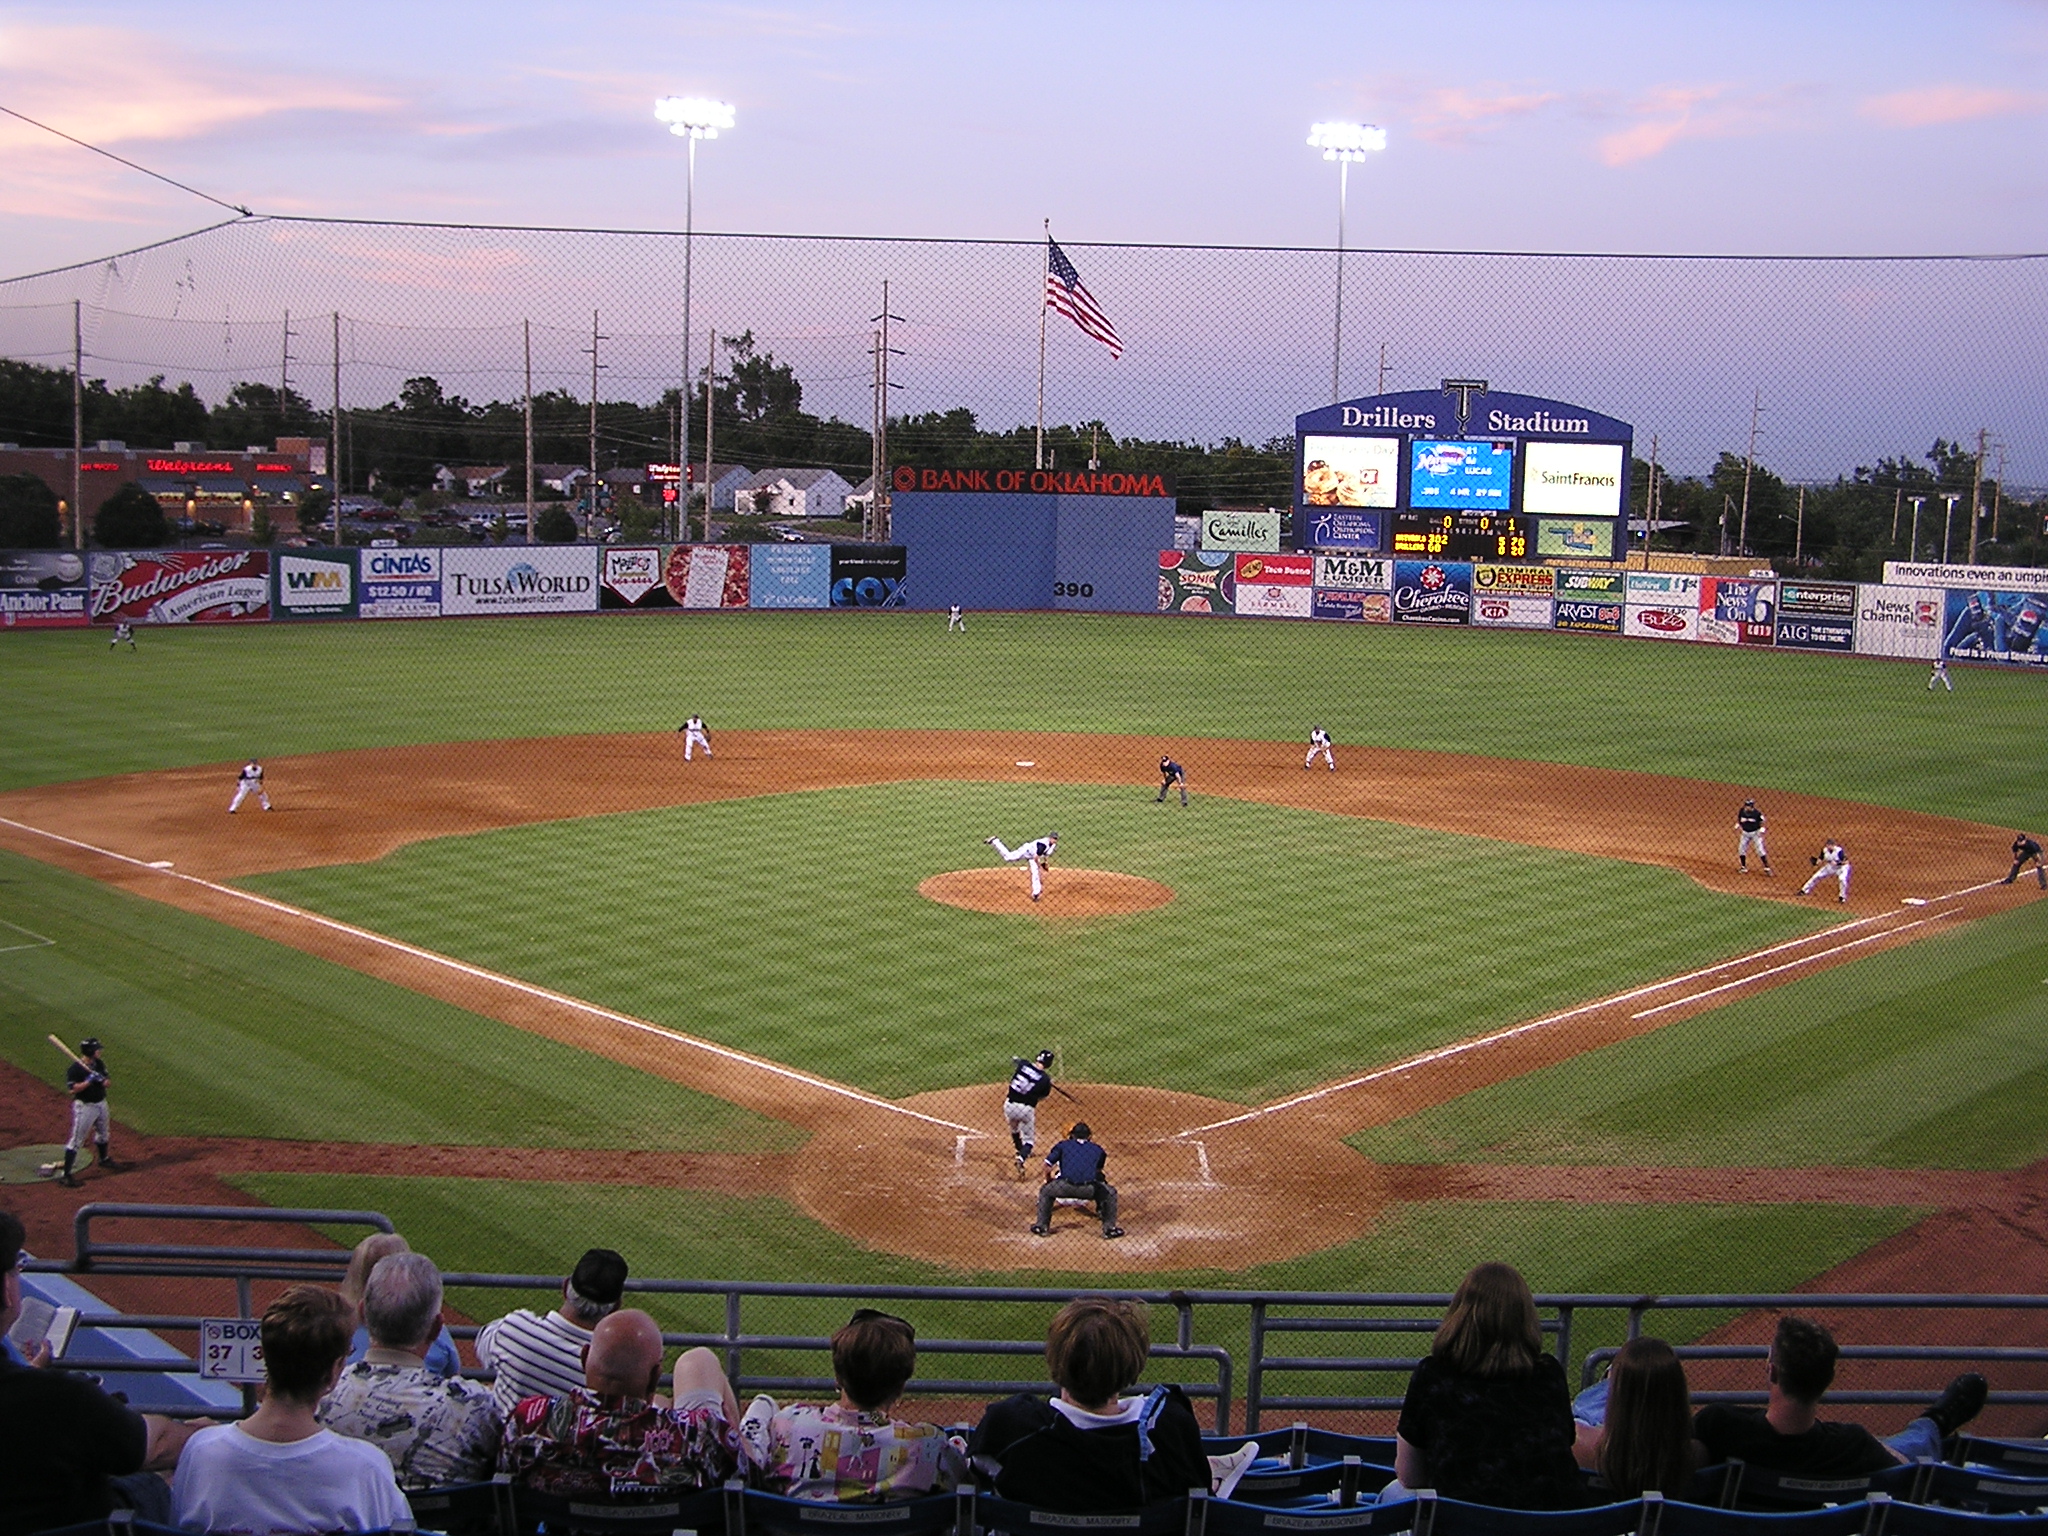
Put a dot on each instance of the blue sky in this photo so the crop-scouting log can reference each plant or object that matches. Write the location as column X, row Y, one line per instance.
column 1776, row 128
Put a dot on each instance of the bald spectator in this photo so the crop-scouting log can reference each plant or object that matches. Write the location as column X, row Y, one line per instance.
column 543, row 1356
column 278, row 1471
column 612, row 1436
column 441, row 1356
column 435, row 1430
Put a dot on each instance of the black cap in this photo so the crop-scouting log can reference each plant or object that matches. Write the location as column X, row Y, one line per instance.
column 1045, row 1058
column 600, row 1277
column 88, row 1045
column 1081, row 1131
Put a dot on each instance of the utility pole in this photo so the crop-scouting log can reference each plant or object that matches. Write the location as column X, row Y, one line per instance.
column 1748, row 468
column 526, row 328
column 1381, row 388
column 1649, row 502
column 710, row 394
column 1913, row 553
column 867, row 522
column 77, row 427
column 591, row 517
column 1948, row 511
column 1799, row 532
column 1977, row 493
column 284, row 379
column 334, row 444
column 1997, row 492
column 1898, row 493
column 881, row 442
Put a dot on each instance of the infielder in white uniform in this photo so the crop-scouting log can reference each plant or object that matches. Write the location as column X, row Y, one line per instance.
column 1034, row 853
column 249, row 782
column 954, row 621
column 1319, row 741
column 694, row 737
column 1833, row 860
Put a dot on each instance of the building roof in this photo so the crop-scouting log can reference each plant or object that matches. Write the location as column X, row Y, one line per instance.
column 796, row 479
column 480, row 471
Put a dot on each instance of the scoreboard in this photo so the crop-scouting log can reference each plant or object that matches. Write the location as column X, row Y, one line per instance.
column 1462, row 535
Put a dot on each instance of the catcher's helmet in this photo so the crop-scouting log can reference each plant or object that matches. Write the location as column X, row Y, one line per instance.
column 89, row 1045
column 1045, row 1058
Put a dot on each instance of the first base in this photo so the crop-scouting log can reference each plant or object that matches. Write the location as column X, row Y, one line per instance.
column 1915, row 901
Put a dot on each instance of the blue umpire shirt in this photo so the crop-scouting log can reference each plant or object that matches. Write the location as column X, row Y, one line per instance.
column 1078, row 1162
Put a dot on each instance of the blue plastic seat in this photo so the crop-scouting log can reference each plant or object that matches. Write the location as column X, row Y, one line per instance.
column 750, row 1512
column 1453, row 1517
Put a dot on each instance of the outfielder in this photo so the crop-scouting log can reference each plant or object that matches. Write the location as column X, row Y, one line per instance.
column 249, row 782
column 954, row 621
column 1749, row 823
column 2026, row 850
column 123, row 630
column 1170, row 774
column 1030, row 1082
column 694, row 737
column 1035, row 854
column 1940, row 675
column 1319, row 741
column 1833, row 860
column 86, row 1082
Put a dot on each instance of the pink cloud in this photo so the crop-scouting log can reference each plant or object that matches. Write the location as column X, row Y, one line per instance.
column 1926, row 106
column 1669, row 114
column 1457, row 113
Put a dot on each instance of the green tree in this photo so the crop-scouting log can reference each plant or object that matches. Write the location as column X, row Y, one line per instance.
column 149, row 415
column 252, row 413
column 314, row 506
column 28, row 513
column 130, row 519
column 552, row 524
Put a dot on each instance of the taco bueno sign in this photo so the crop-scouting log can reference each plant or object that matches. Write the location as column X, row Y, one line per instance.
column 181, row 587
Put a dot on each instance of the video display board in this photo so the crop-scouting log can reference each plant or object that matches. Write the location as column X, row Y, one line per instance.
column 1475, row 536
column 1350, row 471
column 1572, row 479
column 1461, row 472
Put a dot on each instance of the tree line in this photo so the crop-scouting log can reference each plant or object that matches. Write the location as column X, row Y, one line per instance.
column 1846, row 528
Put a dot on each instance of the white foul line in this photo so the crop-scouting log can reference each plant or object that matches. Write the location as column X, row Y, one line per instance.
column 1202, row 1157
column 40, row 941
column 1479, row 1042
column 560, row 999
column 1789, row 965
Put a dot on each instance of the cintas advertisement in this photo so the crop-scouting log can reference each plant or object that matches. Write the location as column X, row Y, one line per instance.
column 531, row 579
column 42, row 589
column 177, row 586
column 398, row 584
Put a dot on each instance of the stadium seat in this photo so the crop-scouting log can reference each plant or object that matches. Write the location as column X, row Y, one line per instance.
column 1264, row 1484
column 1903, row 1519
column 1668, row 1517
column 1970, row 1488
column 465, row 1509
column 1454, row 1517
column 2029, row 1457
column 1173, row 1517
column 750, row 1512
column 701, row 1510
column 1760, row 1488
column 1230, row 1517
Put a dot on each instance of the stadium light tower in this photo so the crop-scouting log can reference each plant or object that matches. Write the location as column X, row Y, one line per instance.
column 1343, row 143
column 692, row 118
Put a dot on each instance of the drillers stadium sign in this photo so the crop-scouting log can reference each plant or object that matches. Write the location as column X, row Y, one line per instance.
column 1044, row 482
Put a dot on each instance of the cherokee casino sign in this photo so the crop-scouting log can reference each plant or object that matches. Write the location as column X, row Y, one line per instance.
column 1462, row 473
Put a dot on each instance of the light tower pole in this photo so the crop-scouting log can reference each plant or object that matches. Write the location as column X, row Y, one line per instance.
column 1343, row 143
column 692, row 118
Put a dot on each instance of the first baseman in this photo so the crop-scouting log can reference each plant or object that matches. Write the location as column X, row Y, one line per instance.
column 249, row 782
column 1035, row 854
column 1749, row 824
column 2026, row 850
column 1319, row 741
column 1170, row 774
column 694, row 737
column 1030, row 1082
column 1832, row 860
column 86, row 1082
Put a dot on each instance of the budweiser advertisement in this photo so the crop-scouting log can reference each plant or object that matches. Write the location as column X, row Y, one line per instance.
column 179, row 586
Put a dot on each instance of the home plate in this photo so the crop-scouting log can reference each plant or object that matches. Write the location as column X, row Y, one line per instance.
column 1027, row 762
column 160, row 864
column 1914, row 901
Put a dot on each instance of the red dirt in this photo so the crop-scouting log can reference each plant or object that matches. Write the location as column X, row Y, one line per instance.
column 1207, row 1184
column 1072, row 894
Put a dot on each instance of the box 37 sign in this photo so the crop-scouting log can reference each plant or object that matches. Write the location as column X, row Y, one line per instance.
column 231, row 1349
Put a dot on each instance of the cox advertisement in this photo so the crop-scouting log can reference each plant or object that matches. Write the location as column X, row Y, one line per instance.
column 1432, row 592
column 791, row 576
column 538, row 578
column 1276, row 586
column 708, row 575
column 632, row 578
column 1737, row 611
column 399, row 584
column 178, row 586
column 42, row 589
column 316, row 584
column 1357, row 573
column 1899, row 621
column 867, row 575
column 1996, row 626
column 1817, row 615
column 1197, row 581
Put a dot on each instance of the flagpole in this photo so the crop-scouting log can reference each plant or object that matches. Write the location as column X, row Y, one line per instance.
column 1044, row 277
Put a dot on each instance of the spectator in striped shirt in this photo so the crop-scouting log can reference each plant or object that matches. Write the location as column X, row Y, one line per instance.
column 534, row 1355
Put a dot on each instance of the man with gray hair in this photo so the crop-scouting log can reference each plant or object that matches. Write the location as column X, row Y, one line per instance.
column 435, row 1430
column 532, row 1354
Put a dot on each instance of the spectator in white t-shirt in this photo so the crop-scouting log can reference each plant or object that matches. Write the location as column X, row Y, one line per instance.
column 537, row 1356
column 278, row 1471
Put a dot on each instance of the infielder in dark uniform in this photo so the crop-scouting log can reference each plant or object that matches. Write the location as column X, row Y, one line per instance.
column 1073, row 1171
column 1749, row 822
column 2025, row 850
column 1030, row 1082
column 1170, row 774
column 86, row 1082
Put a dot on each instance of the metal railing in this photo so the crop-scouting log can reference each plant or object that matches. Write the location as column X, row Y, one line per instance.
column 1271, row 1317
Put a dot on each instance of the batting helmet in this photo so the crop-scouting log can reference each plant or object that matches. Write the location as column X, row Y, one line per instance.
column 89, row 1045
column 1045, row 1058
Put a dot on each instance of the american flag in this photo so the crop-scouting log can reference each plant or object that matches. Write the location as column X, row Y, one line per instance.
column 1065, row 292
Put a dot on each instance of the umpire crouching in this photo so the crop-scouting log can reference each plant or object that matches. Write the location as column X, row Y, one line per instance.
column 1073, row 1171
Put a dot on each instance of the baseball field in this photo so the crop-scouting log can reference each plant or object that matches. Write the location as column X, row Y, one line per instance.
column 505, row 967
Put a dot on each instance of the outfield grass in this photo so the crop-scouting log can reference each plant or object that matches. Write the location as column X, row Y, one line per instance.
column 1931, row 1056
column 214, row 1032
column 473, row 1225
column 1299, row 945
column 1855, row 728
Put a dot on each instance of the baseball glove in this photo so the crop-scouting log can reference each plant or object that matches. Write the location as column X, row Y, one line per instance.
column 1814, row 861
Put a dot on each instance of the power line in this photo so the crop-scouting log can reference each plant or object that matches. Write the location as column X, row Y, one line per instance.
column 169, row 181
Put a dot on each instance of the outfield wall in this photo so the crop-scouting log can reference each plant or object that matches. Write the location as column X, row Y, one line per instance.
column 1979, row 614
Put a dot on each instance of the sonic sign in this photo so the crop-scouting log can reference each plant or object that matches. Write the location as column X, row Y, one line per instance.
column 1461, row 472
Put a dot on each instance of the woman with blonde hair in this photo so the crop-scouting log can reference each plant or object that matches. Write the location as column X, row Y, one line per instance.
column 1642, row 1436
column 1488, row 1418
column 442, row 1358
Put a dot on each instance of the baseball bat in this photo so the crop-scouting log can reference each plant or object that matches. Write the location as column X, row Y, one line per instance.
column 66, row 1050
column 1056, row 1088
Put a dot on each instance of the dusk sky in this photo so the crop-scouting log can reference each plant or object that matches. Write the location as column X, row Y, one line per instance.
column 1732, row 127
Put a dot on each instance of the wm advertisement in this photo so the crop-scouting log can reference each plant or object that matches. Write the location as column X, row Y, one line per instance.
column 315, row 584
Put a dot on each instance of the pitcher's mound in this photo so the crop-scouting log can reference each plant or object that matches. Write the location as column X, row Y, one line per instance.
column 1068, row 892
